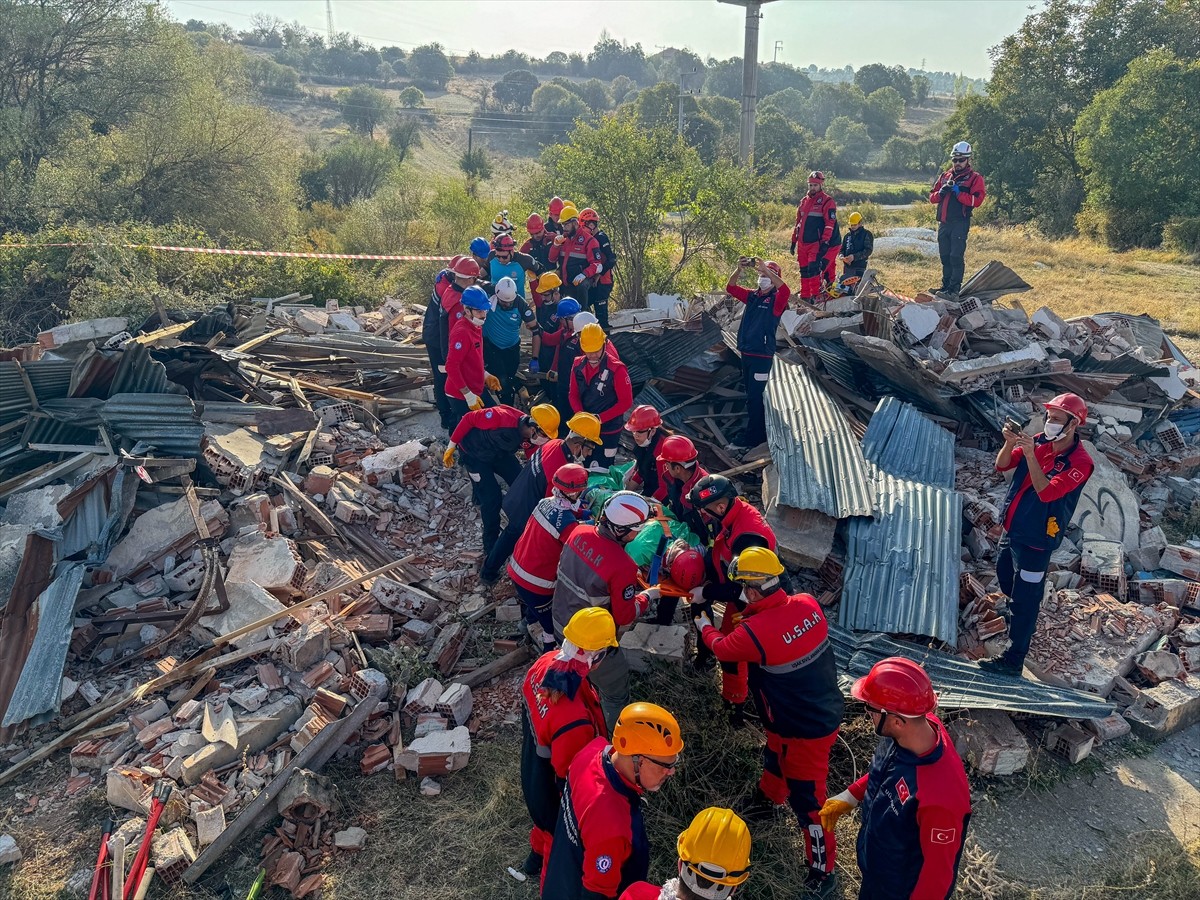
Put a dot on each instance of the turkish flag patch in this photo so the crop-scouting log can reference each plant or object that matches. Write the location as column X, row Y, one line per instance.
column 902, row 791
column 942, row 835
column 1075, row 475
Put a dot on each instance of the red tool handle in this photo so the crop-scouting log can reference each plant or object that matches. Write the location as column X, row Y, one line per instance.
column 98, row 881
column 138, row 869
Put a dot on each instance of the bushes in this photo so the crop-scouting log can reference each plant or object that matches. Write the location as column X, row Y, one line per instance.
column 1183, row 236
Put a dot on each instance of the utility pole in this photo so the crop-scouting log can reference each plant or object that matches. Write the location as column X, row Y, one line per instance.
column 682, row 92
column 778, row 47
column 749, row 76
column 329, row 20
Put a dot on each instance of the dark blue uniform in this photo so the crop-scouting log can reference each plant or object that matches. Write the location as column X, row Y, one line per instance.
column 756, row 345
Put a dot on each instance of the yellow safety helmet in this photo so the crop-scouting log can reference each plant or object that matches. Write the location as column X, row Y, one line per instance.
column 591, row 629
column 547, row 418
column 646, row 729
column 547, row 282
column 568, row 213
column 714, row 853
column 855, row 218
column 592, row 338
column 586, row 425
column 756, row 566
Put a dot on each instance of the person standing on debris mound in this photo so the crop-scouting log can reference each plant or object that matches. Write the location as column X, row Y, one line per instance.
column 600, row 846
column 431, row 336
column 816, row 237
column 502, row 336
column 714, row 859
column 785, row 641
column 1049, row 474
column 466, row 378
column 601, row 385
column 647, row 476
column 487, row 441
column 533, row 567
column 735, row 525
column 957, row 193
column 536, row 482
column 595, row 570
column 561, row 715
column 568, row 352
column 756, row 337
column 576, row 252
column 599, row 292
column 915, row 798
column 464, row 272
column 857, row 247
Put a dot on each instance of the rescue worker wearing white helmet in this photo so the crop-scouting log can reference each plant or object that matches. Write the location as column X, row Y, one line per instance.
column 595, row 570
column 957, row 193
column 502, row 336
column 714, row 860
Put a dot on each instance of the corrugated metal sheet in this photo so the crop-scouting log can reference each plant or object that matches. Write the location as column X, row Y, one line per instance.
column 906, row 444
column 167, row 422
column 845, row 367
column 661, row 352
column 50, row 378
column 37, row 690
column 961, row 684
column 139, row 373
column 994, row 281
column 902, row 567
column 821, row 465
column 1186, row 420
column 650, row 395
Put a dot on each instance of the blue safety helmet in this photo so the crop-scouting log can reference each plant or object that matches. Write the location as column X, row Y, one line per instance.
column 568, row 307
column 481, row 247
column 476, row 298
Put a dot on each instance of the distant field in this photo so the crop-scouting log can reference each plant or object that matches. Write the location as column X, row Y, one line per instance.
column 885, row 193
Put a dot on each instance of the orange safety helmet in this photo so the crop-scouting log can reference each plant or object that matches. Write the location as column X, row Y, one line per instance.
column 896, row 685
column 646, row 729
column 587, row 214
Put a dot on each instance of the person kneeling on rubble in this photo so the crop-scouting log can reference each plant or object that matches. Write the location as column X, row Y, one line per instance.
column 561, row 715
column 487, row 440
column 1049, row 473
column 647, row 475
column 533, row 567
column 714, row 859
column 793, row 676
column 595, row 570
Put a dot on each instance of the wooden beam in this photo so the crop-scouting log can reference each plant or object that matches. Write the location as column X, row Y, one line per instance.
column 260, row 340
column 494, row 668
column 313, row 511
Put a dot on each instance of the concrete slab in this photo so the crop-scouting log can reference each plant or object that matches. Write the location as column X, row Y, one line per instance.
column 247, row 604
column 648, row 644
column 252, row 734
column 990, row 743
column 157, row 531
column 1107, row 506
column 272, row 562
column 804, row 536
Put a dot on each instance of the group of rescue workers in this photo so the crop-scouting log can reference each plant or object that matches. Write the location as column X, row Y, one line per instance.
column 589, row 754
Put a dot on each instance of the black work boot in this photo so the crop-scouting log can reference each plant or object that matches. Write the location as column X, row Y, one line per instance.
column 820, row 885
column 757, row 808
column 532, row 865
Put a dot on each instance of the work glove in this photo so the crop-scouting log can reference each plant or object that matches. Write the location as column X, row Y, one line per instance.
column 448, row 456
column 835, row 808
column 534, row 367
column 701, row 622
column 552, row 375
column 578, row 279
column 697, row 595
column 474, row 401
column 652, row 593
column 957, row 189
column 946, row 188
column 442, row 369
column 492, row 382
column 558, row 239
column 793, row 248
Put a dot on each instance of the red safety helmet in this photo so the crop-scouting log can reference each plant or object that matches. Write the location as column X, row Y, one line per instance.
column 774, row 267
column 556, row 205
column 1071, row 404
column 896, row 685
column 504, row 242
column 534, row 224
column 643, row 418
column 466, row 267
column 453, row 262
column 816, row 177
column 677, row 449
column 571, row 478
column 587, row 214
column 687, row 569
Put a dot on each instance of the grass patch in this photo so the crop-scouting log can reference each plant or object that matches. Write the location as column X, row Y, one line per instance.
column 888, row 193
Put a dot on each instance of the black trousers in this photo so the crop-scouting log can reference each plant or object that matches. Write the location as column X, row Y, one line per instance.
column 503, row 362
column 755, row 372
column 436, row 364
column 952, row 247
column 1021, row 572
column 485, row 489
column 599, row 295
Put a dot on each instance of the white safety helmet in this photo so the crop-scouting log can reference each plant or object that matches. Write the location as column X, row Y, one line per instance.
column 962, row 148
column 625, row 511
column 506, row 289
column 583, row 318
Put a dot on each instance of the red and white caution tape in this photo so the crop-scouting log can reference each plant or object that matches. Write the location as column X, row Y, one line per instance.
column 219, row 251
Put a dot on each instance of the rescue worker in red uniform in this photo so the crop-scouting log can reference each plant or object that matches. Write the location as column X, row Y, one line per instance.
column 487, row 441
column 735, row 525
column 714, row 859
column 577, row 255
column 537, row 481
column 595, row 570
column 441, row 317
column 600, row 385
column 957, row 193
column 537, row 248
column 648, row 475
column 602, row 284
column 466, row 379
column 756, row 338
column 1041, row 501
column 816, row 237
column 600, row 846
column 916, row 802
column 554, row 214
column 533, row 567
column 785, row 642
column 431, row 336
column 561, row 715
column 681, row 470
column 568, row 352
column 556, row 319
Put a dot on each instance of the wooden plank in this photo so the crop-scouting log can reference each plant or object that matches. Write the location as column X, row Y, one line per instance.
column 746, row 467
column 163, row 334
column 260, row 340
column 494, row 668
column 311, row 509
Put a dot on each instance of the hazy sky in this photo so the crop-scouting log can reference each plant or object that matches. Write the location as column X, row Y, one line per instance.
column 949, row 35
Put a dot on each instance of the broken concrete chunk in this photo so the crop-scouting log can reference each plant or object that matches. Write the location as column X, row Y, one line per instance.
column 647, row 643
column 209, row 824
column 272, row 562
column 1159, row 665
column 438, row 753
column 10, row 853
column 352, row 838
column 253, row 735
column 424, row 697
column 990, row 742
column 159, row 530
column 921, row 319
column 1070, row 742
column 1183, row 561
column 456, row 701
column 306, row 646
column 430, row 787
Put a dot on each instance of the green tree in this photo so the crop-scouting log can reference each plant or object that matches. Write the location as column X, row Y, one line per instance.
column 725, row 112
column 557, row 108
column 429, row 65
column 404, row 136
column 390, row 220
column 851, row 143
column 724, row 78
column 921, row 86
column 363, row 107
column 515, row 89
column 1137, row 142
column 872, row 77
column 610, row 58
column 902, row 82
column 789, row 103
column 829, row 101
column 776, row 77
column 411, row 98
column 352, row 170
column 595, row 95
column 882, row 113
column 555, row 63
column 899, row 155
column 622, row 85
column 476, row 166
column 779, row 143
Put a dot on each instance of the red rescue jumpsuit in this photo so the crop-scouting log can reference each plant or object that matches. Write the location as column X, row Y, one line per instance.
column 817, row 239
